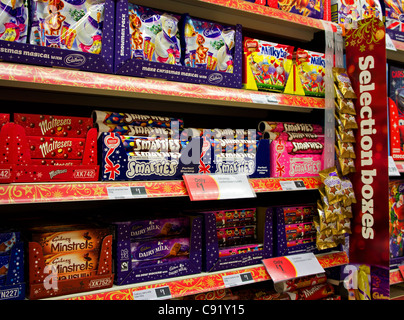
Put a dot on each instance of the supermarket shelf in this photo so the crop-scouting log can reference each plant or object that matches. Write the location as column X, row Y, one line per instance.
column 193, row 284
column 89, row 83
column 97, row 190
column 249, row 15
column 397, row 55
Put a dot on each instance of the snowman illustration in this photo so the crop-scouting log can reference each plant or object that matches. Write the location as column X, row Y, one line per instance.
column 89, row 29
column 224, row 56
column 167, row 46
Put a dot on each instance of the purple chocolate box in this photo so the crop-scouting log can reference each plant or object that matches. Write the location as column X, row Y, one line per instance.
column 212, row 262
column 159, row 228
column 55, row 57
column 126, row 273
column 124, row 65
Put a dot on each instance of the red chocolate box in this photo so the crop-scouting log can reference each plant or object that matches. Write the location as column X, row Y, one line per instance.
column 54, row 126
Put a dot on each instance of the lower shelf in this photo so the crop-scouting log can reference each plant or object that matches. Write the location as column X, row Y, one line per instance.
column 193, row 284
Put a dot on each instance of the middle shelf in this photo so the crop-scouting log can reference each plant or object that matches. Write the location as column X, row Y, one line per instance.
column 62, row 192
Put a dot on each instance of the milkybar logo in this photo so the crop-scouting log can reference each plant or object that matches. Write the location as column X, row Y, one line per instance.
column 46, row 125
column 368, row 174
column 46, row 147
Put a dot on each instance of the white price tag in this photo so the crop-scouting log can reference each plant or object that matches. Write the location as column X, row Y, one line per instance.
column 237, row 279
column 152, row 294
column 393, row 171
column 292, row 185
column 389, row 43
column 126, row 192
column 264, row 99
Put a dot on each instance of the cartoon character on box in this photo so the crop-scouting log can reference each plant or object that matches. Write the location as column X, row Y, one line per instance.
column 166, row 42
column 396, row 221
column 89, row 29
column 136, row 35
column 307, row 8
column 13, row 20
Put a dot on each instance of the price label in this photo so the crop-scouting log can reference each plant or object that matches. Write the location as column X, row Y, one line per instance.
column 264, row 99
column 292, row 185
column 393, row 171
column 152, row 294
column 218, row 187
column 294, row 266
column 126, row 192
column 237, row 279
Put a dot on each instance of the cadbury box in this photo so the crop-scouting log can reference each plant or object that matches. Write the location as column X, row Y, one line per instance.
column 64, row 31
column 396, row 224
column 211, row 250
column 129, row 270
column 128, row 27
column 287, row 241
column 12, row 281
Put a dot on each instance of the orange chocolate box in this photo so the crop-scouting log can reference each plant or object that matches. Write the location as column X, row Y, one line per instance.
column 69, row 240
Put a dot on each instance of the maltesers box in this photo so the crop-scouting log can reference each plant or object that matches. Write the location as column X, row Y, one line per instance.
column 12, row 281
column 211, row 259
column 18, row 165
column 130, row 271
column 47, row 275
column 124, row 65
column 64, row 58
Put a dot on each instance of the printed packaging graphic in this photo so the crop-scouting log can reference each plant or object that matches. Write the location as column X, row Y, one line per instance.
column 155, row 35
column 68, row 24
column 311, row 69
column 14, row 20
column 269, row 62
column 396, row 112
column 208, row 45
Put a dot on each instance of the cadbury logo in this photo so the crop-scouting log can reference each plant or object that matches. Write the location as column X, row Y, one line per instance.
column 212, row 32
column 215, row 78
column 75, row 60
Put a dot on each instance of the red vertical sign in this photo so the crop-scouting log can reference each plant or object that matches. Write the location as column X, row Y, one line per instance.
column 366, row 67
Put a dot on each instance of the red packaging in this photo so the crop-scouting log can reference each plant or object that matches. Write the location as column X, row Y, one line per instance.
column 55, row 162
column 236, row 235
column 299, row 230
column 298, row 214
column 4, row 118
column 54, row 126
column 315, row 292
column 298, row 283
column 56, row 148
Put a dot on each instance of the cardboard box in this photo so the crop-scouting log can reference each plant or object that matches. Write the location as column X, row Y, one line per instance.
column 12, row 281
column 55, row 57
column 212, row 261
column 127, row 272
column 124, row 65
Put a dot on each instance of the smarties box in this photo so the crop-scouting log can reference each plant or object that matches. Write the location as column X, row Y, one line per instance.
column 146, row 48
column 211, row 254
column 143, row 252
column 80, row 38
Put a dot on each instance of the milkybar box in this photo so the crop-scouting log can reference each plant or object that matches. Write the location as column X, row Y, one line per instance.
column 62, row 239
column 54, row 126
column 56, row 147
column 72, row 265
